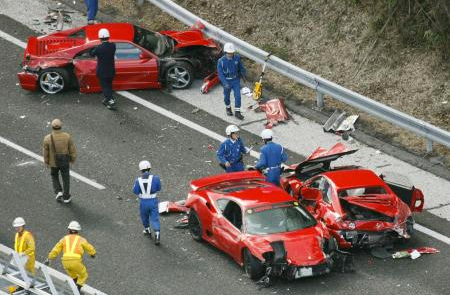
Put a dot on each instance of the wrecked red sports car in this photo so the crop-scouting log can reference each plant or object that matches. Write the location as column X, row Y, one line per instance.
column 259, row 225
column 359, row 208
column 144, row 59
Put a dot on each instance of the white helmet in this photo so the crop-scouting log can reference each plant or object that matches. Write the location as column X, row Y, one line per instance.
column 229, row 48
column 103, row 33
column 74, row 225
column 267, row 134
column 19, row 221
column 231, row 129
column 144, row 165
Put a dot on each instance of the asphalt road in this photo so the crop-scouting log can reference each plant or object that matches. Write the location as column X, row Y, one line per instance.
column 110, row 145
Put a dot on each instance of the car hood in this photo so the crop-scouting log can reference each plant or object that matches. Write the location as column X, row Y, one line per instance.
column 303, row 247
column 189, row 38
column 386, row 204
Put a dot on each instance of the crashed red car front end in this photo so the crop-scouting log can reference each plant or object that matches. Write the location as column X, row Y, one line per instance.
column 259, row 225
column 359, row 208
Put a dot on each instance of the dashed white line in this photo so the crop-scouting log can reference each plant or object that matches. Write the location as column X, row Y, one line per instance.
column 41, row 159
column 198, row 128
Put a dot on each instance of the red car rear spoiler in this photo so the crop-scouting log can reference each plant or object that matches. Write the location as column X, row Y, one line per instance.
column 216, row 179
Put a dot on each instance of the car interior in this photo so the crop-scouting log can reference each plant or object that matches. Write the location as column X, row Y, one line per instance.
column 233, row 213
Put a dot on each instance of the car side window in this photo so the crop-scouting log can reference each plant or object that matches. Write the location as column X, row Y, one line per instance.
column 127, row 51
column 233, row 213
column 85, row 54
column 316, row 183
column 326, row 191
column 222, row 204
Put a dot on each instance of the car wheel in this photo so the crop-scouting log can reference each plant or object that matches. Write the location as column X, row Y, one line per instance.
column 195, row 225
column 180, row 75
column 252, row 266
column 53, row 81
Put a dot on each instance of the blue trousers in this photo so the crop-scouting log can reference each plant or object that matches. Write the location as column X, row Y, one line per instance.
column 236, row 167
column 92, row 7
column 273, row 176
column 150, row 213
column 235, row 85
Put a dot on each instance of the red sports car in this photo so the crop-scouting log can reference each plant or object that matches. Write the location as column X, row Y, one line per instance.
column 144, row 59
column 259, row 225
column 359, row 208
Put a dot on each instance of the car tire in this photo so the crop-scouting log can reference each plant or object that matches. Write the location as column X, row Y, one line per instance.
column 53, row 80
column 195, row 226
column 253, row 268
column 180, row 75
column 410, row 226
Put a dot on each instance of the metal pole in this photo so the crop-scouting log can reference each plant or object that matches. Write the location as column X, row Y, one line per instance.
column 429, row 145
column 319, row 100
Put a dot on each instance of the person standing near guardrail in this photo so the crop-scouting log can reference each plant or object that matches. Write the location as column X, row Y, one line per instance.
column 92, row 8
column 230, row 70
column 59, row 152
column 24, row 244
column 73, row 247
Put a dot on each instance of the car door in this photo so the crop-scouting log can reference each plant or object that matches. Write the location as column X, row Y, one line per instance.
column 136, row 68
column 325, row 208
column 85, row 67
column 227, row 227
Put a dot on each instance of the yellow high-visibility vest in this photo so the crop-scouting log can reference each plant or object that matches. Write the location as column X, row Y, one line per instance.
column 20, row 242
column 69, row 250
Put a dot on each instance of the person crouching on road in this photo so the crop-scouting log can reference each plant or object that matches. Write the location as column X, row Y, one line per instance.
column 230, row 70
column 73, row 247
column 272, row 155
column 231, row 151
column 146, row 188
column 24, row 244
column 59, row 152
column 106, row 70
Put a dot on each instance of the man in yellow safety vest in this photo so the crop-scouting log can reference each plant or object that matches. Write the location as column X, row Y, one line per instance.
column 24, row 244
column 73, row 247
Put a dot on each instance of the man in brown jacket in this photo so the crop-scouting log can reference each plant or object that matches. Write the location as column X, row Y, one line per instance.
column 59, row 142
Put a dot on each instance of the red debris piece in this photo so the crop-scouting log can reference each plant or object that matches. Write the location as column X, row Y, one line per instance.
column 209, row 82
column 424, row 250
column 275, row 111
column 170, row 207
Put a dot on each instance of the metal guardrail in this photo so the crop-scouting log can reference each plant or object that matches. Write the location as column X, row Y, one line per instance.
column 322, row 86
column 48, row 281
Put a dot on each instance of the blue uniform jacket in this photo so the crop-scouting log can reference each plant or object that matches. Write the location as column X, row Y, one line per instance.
column 229, row 69
column 105, row 54
column 156, row 184
column 230, row 151
column 272, row 155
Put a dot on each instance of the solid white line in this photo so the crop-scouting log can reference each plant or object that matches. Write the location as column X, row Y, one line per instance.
column 206, row 131
column 39, row 158
column 432, row 233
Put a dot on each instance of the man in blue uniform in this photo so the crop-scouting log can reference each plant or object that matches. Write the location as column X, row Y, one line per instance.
column 92, row 7
column 231, row 151
column 230, row 70
column 106, row 71
column 272, row 155
column 146, row 188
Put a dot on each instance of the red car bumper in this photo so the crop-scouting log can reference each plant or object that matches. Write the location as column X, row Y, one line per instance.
column 28, row 81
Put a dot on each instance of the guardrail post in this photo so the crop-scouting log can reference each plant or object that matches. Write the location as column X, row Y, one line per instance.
column 429, row 145
column 319, row 100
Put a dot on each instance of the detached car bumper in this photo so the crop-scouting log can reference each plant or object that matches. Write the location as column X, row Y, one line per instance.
column 28, row 80
column 348, row 239
column 297, row 272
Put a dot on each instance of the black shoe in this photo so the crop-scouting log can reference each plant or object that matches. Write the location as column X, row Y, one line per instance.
column 59, row 197
column 105, row 102
column 238, row 115
column 67, row 199
column 157, row 238
column 229, row 112
column 111, row 104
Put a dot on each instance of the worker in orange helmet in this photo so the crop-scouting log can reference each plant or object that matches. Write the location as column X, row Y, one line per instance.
column 24, row 244
column 73, row 247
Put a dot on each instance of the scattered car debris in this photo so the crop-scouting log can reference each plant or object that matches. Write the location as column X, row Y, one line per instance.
column 170, row 207
column 194, row 111
column 275, row 111
column 182, row 223
column 414, row 253
column 209, row 82
column 22, row 117
column 339, row 123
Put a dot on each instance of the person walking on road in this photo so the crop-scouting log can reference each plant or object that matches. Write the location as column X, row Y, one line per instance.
column 146, row 188
column 73, row 247
column 92, row 8
column 230, row 70
column 272, row 155
column 231, row 151
column 59, row 152
column 105, row 53
column 24, row 244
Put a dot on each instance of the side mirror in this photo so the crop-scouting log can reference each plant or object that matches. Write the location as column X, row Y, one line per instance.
column 310, row 194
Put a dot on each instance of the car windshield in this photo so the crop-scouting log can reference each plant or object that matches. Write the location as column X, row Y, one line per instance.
column 153, row 41
column 362, row 191
column 270, row 220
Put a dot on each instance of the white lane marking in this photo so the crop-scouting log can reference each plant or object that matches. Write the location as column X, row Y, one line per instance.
column 207, row 132
column 177, row 118
column 432, row 233
column 39, row 158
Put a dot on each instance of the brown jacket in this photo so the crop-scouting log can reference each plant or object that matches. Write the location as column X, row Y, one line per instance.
column 63, row 144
